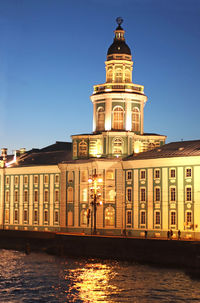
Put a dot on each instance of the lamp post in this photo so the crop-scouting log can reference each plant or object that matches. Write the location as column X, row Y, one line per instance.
column 95, row 195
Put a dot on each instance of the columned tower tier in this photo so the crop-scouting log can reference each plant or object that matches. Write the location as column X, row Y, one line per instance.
column 118, row 110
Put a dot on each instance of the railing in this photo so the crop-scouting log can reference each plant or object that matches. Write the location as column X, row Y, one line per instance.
column 118, row 87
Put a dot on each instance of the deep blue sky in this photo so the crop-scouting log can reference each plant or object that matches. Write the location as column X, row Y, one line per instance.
column 52, row 52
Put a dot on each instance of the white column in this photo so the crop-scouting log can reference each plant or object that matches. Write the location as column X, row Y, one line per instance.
column 180, row 199
column 165, row 209
column 135, row 197
column 108, row 114
column 150, row 199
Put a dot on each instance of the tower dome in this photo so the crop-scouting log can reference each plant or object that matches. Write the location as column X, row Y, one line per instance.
column 119, row 45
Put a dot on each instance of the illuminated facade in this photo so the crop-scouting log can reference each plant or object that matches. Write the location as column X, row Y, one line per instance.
column 140, row 185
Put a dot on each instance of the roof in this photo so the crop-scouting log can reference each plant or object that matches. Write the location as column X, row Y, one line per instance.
column 173, row 149
column 49, row 155
column 119, row 47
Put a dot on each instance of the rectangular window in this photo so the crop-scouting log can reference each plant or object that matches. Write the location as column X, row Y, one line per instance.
column 7, row 180
column 173, row 218
column 188, row 194
column 129, row 175
column 35, row 196
column 25, row 196
column 16, row 196
column 173, row 194
column 157, row 217
column 7, row 215
column 172, row 173
column 46, row 179
column 157, row 194
column 56, row 196
column 35, row 215
column 56, row 178
column 142, row 174
column 143, row 217
column 129, row 217
column 188, row 172
column 35, row 179
column 25, row 215
column 25, row 179
column 56, row 217
column 157, row 174
column 188, row 218
column 16, row 180
column 129, row 195
column 16, row 215
column 46, row 196
column 46, row 216
column 142, row 194
column 7, row 196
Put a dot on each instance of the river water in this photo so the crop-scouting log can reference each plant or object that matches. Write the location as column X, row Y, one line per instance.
column 44, row 278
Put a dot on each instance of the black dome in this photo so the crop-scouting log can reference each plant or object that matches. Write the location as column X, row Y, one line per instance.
column 119, row 47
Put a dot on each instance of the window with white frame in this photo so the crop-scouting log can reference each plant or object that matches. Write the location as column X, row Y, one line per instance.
column 172, row 173
column 100, row 119
column 173, row 194
column 118, row 118
column 118, row 75
column 25, row 179
column 188, row 218
column 16, row 180
column 35, row 215
column 7, row 180
column 157, row 218
column 7, row 196
column 83, row 148
column 56, row 196
column 142, row 194
column 70, row 194
column 25, row 215
column 157, row 194
column 135, row 119
column 56, row 216
column 25, row 196
column 16, row 195
column 46, row 179
column 143, row 174
column 16, row 215
column 35, row 179
column 35, row 196
column 157, row 173
column 129, row 194
column 188, row 193
column 46, row 196
column 129, row 217
column 188, row 172
column 129, row 175
column 46, row 216
column 142, row 217
column 109, row 216
column 173, row 218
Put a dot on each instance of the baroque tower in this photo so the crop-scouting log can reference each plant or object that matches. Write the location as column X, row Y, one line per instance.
column 118, row 110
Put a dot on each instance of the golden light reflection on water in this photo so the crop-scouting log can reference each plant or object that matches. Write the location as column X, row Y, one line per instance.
column 92, row 283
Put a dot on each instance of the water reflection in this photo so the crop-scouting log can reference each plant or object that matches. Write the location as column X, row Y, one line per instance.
column 91, row 282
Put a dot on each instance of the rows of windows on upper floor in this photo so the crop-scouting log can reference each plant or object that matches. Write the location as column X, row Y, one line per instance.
column 157, row 173
column 119, row 75
column 36, row 178
column 26, row 196
column 118, row 119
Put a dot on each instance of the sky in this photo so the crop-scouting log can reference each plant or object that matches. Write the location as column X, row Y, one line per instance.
column 52, row 52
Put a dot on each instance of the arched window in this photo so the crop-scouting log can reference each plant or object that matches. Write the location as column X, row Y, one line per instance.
column 83, row 148
column 118, row 118
column 118, row 75
column 109, row 216
column 83, row 217
column 117, row 146
column 127, row 75
column 135, row 119
column 70, row 194
column 100, row 118
column 109, row 75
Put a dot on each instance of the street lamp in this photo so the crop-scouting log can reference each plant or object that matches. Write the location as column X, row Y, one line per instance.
column 95, row 195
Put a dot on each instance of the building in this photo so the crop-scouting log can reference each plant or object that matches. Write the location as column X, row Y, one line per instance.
column 117, row 180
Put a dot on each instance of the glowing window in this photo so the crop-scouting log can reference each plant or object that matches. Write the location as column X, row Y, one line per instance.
column 109, row 216
column 109, row 75
column 118, row 118
column 135, row 119
column 70, row 194
column 100, row 119
column 173, row 218
column 157, row 218
column 143, row 217
column 127, row 75
column 117, row 146
column 83, row 148
column 118, row 75
column 84, row 195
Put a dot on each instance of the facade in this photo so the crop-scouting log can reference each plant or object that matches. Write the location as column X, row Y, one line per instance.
column 117, row 180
